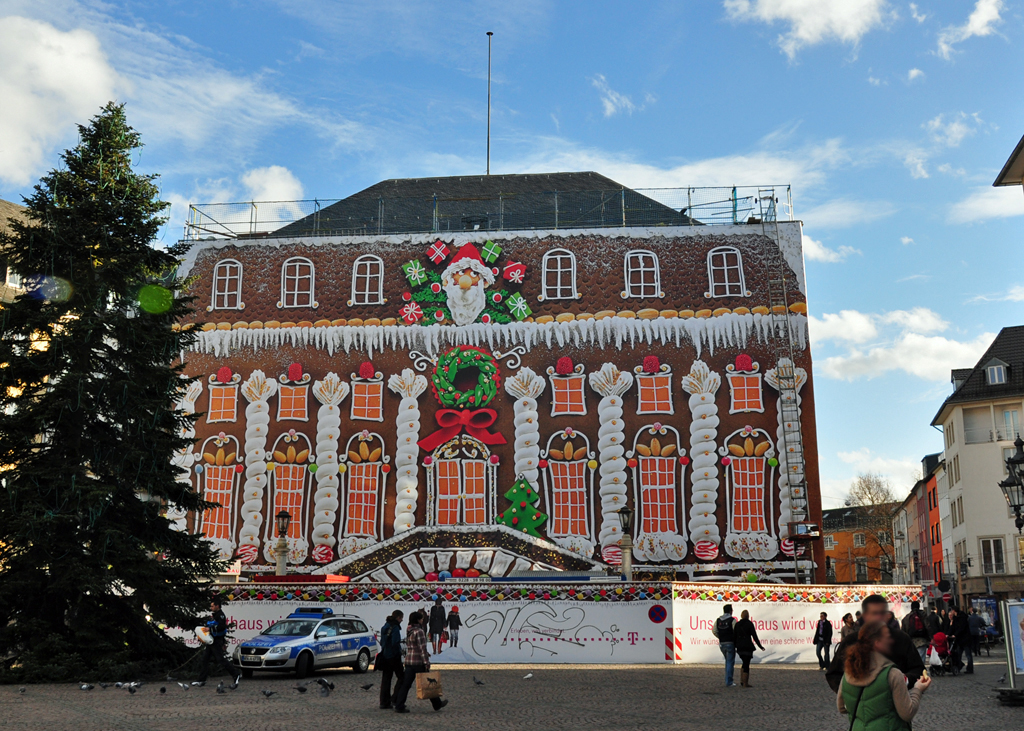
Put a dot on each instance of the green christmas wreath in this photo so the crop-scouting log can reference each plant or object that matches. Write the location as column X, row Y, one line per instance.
column 448, row 366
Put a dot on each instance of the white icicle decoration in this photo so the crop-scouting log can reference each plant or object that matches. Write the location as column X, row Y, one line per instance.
column 409, row 386
column 611, row 384
column 787, row 495
column 330, row 392
column 702, row 384
column 525, row 386
column 257, row 391
column 185, row 459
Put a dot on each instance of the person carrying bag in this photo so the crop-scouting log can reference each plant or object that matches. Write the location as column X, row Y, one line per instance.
column 389, row 659
column 417, row 664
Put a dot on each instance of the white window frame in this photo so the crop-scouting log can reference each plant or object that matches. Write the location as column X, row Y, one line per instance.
column 723, row 250
column 367, row 295
column 636, row 291
column 221, row 294
column 1002, row 551
column 557, row 256
column 830, row 543
column 860, row 540
column 995, row 375
column 295, row 261
column 11, row 279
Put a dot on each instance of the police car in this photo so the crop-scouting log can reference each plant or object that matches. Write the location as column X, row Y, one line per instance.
column 307, row 640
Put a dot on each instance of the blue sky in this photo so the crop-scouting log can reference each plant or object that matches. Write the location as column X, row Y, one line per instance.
column 890, row 120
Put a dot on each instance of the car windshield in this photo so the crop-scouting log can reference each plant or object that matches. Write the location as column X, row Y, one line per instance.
column 290, row 627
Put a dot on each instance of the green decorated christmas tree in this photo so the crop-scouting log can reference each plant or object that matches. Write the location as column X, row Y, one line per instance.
column 523, row 514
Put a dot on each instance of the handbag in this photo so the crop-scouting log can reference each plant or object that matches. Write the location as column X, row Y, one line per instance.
column 428, row 685
column 934, row 660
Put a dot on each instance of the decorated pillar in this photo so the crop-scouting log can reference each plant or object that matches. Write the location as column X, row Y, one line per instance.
column 257, row 391
column 611, row 384
column 409, row 386
column 525, row 386
column 330, row 392
column 702, row 384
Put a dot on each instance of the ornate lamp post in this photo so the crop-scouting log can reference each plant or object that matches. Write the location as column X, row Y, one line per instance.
column 281, row 521
column 626, row 542
column 1013, row 485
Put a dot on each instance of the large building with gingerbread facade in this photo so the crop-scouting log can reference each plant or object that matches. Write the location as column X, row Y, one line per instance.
column 480, row 394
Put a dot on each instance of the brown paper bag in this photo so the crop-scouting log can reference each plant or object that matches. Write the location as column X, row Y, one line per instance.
column 428, row 685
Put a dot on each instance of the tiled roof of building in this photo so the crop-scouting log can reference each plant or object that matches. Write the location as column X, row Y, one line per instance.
column 1007, row 347
column 488, row 202
column 856, row 516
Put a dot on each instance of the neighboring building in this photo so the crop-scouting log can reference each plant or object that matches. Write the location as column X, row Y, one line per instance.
column 10, row 286
column 906, row 547
column 858, row 544
column 581, row 350
column 980, row 420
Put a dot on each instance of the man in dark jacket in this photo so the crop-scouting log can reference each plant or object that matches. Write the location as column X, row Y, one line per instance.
column 978, row 625
column 915, row 625
column 438, row 620
column 823, row 641
column 960, row 628
column 903, row 655
column 934, row 623
column 218, row 626
column 390, row 660
column 724, row 629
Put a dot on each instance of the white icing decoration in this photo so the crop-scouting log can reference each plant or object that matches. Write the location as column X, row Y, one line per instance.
column 702, row 384
column 525, row 386
column 611, row 383
column 750, row 544
column 788, row 496
column 657, row 545
column 409, row 386
column 257, row 391
column 330, row 392
column 184, row 459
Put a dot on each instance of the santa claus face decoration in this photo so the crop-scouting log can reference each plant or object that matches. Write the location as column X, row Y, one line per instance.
column 464, row 282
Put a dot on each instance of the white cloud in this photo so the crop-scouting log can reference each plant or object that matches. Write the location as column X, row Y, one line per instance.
column 848, row 326
column 612, row 101
column 899, row 469
column 51, row 79
column 1014, row 294
column 981, row 22
column 844, row 212
column 917, row 14
column 874, row 81
column 947, row 169
column 915, row 74
column 952, row 132
column 915, row 162
column 986, row 203
column 813, row 21
column 817, row 251
column 918, row 320
column 274, row 183
column 905, row 240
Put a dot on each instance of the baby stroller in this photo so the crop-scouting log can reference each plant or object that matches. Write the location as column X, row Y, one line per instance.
column 940, row 657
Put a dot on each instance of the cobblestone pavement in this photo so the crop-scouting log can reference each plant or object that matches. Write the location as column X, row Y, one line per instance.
column 792, row 697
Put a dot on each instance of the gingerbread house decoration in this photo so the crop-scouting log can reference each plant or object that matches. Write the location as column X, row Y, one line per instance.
column 516, row 371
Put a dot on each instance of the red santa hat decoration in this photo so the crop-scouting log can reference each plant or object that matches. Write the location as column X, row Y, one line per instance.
column 468, row 257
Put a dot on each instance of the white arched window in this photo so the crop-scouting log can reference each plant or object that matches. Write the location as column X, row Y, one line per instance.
column 367, row 281
column 558, row 275
column 298, row 277
column 227, row 285
column 643, row 274
column 725, row 273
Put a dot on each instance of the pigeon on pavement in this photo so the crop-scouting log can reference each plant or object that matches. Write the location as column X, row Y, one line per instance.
column 87, row 686
column 131, row 690
column 268, row 693
column 21, row 690
column 163, row 689
column 527, row 676
column 300, row 689
column 104, row 685
column 322, row 682
column 367, row 686
column 477, row 682
column 184, row 686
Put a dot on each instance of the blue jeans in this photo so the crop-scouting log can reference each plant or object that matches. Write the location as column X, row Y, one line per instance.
column 729, row 652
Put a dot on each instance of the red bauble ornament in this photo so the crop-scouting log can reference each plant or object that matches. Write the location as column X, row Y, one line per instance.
column 522, row 504
column 485, row 319
column 435, row 288
column 224, row 374
column 631, row 463
column 564, row 366
column 295, row 372
column 744, row 362
column 684, row 460
column 726, row 461
column 496, row 297
column 439, row 315
column 515, row 521
column 385, row 469
column 494, row 459
column 366, row 370
column 428, row 460
column 239, row 468
column 651, row 364
column 458, row 574
column 432, row 576
column 407, row 296
column 542, row 463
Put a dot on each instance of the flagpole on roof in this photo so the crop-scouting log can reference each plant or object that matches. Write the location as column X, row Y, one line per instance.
column 489, row 34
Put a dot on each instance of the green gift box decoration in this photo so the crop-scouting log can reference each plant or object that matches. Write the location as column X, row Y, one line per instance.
column 490, row 252
column 516, row 304
column 415, row 273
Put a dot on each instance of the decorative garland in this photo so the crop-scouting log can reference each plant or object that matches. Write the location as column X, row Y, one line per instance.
column 448, row 366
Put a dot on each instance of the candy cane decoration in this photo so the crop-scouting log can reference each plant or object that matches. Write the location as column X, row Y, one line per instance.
column 184, row 458
column 611, row 383
column 330, row 392
column 525, row 386
column 788, row 433
column 257, row 391
column 409, row 386
column 702, row 384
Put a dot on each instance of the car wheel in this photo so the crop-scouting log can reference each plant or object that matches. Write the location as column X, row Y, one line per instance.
column 362, row 663
column 246, row 673
column 304, row 665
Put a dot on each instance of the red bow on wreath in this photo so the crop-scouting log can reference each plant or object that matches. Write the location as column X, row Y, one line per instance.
column 452, row 422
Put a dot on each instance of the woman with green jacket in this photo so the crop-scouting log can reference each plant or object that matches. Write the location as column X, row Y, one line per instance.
column 873, row 691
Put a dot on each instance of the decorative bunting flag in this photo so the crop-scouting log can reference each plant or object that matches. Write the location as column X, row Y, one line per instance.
column 415, row 272
column 516, row 304
column 411, row 313
column 515, row 272
column 437, row 252
column 490, row 252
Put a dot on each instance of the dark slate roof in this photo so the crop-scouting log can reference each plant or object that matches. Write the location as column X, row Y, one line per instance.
column 487, row 202
column 1007, row 347
column 960, row 374
column 856, row 517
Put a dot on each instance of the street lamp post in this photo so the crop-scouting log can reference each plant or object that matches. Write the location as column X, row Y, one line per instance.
column 1013, row 485
column 626, row 542
column 281, row 521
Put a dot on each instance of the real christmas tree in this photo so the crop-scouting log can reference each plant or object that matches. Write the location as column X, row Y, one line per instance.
column 522, row 514
column 89, row 564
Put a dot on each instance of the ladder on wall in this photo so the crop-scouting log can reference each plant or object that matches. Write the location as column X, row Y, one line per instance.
column 778, row 294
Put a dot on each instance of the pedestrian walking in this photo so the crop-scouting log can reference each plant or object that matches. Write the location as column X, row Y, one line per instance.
column 977, row 624
column 823, row 641
column 417, row 660
column 438, row 620
column 454, row 622
column 903, row 653
column 961, row 631
column 872, row 690
column 745, row 636
column 724, row 630
column 218, row 626
column 944, row 621
column 848, row 628
column 934, row 623
column 915, row 625
column 390, row 660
